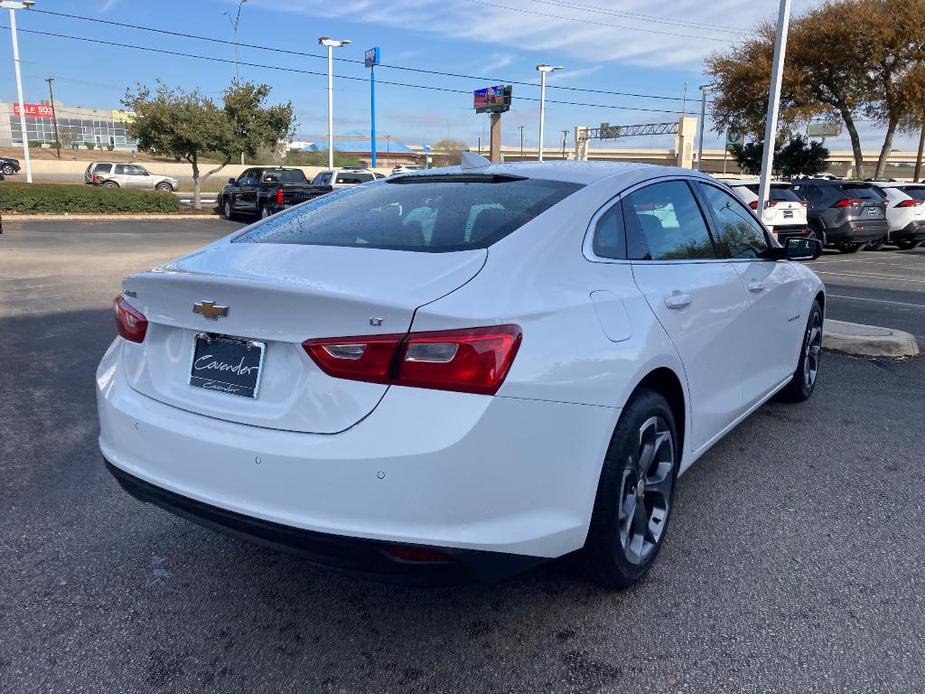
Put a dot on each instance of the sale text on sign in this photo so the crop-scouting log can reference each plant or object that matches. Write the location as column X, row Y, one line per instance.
column 34, row 110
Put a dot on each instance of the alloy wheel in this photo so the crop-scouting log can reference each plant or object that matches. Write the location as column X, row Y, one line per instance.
column 813, row 351
column 645, row 491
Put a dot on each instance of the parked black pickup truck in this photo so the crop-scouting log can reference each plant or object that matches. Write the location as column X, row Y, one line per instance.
column 261, row 191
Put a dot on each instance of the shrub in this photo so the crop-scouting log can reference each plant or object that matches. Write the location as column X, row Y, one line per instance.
column 42, row 198
column 35, row 144
column 89, row 145
column 110, row 147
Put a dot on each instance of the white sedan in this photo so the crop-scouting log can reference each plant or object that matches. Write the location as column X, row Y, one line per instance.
column 459, row 373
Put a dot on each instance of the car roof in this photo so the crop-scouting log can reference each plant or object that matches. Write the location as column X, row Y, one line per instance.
column 581, row 172
column 754, row 182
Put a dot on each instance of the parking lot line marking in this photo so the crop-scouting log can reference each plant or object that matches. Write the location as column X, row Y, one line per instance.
column 876, row 301
column 860, row 274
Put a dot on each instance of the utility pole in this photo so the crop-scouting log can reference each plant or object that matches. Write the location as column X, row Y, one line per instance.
column 918, row 160
column 12, row 6
column 522, row 142
column 770, row 127
column 704, row 88
column 564, row 140
column 54, row 116
column 237, row 66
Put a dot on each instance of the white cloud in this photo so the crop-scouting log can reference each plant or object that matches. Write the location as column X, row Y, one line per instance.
column 697, row 28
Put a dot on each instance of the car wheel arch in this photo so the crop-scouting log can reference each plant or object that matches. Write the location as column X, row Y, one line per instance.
column 666, row 382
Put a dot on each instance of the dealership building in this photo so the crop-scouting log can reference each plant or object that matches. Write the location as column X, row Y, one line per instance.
column 77, row 126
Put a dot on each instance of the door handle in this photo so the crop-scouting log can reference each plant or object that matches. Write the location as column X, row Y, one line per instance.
column 677, row 299
column 755, row 286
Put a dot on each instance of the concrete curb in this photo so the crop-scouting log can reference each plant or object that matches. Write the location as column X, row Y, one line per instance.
column 868, row 340
column 10, row 218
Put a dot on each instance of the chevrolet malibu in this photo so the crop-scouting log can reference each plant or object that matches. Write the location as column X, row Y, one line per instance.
column 458, row 373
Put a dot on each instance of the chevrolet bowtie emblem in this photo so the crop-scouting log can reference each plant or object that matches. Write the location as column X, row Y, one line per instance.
column 209, row 310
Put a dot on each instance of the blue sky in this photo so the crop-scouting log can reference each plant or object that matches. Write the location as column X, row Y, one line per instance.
column 632, row 46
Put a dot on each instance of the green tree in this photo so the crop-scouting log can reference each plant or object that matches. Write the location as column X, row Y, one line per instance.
column 797, row 156
column 186, row 125
column 447, row 152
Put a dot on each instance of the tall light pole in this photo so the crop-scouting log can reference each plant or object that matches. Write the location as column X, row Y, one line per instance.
column 770, row 127
column 234, row 26
column 522, row 140
column 704, row 88
column 12, row 6
column 543, row 69
column 331, row 44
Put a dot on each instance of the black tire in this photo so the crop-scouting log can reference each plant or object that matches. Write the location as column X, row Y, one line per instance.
column 630, row 519
column 110, row 184
column 225, row 209
column 803, row 382
column 848, row 247
column 874, row 245
column 8, row 170
column 164, row 187
column 906, row 245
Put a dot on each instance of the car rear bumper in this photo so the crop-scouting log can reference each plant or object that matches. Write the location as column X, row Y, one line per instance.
column 913, row 231
column 431, row 468
column 368, row 558
column 860, row 231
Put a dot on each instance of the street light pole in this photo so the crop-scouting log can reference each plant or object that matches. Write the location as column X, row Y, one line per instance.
column 704, row 88
column 331, row 44
column 770, row 127
column 522, row 141
column 12, row 6
column 54, row 116
column 234, row 26
column 543, row 69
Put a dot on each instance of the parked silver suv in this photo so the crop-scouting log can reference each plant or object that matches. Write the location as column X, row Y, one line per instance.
column 116, row 175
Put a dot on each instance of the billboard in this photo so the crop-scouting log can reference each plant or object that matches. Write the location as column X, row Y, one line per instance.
column 33, row 110
column 823, row 129
column 371, row 57
column 496, row 99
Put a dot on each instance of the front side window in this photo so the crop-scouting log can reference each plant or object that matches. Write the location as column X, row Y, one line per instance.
column 663, row 222
column 419, row 213
column 355, row 177
column 739, row 233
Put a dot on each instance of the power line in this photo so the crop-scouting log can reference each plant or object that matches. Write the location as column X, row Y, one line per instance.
column 640, row 17
column 302, row 71
column 596, row 23
column 305, row 54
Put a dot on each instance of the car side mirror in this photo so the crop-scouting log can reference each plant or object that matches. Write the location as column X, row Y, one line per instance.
column 803, row 249
column 231, row 180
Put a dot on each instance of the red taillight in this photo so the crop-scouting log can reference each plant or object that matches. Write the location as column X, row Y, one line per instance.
column 754, row 204
column 95, row 180
column 279, row 196
column 804, row 203
column 847, row 202
column 132, row 325
column 909, row 203
column 473, row 360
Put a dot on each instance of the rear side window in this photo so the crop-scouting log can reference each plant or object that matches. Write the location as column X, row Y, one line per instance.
column 663, row 222
column 778, row 193
column 609, row 236
column 420, row 213
column 102, row 169
column 355, row 177
column 809, row 192
column 915, row 193
column 291, row 176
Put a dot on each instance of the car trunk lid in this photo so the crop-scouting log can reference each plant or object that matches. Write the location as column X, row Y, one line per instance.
column 276, row 296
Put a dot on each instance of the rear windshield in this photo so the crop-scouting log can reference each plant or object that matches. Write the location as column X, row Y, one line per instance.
column 417, row 213
column 778, row 193
column 861, row 192
column 915, row 193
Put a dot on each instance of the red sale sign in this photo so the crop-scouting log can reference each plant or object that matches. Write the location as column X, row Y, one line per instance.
column 34, row 110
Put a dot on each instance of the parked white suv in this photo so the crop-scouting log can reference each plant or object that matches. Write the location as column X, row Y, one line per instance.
column 784, row 215
column 344, row 177
column 119, row 175
column 905, row 214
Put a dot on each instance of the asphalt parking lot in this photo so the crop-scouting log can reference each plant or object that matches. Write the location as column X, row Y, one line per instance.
column 795, row 561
